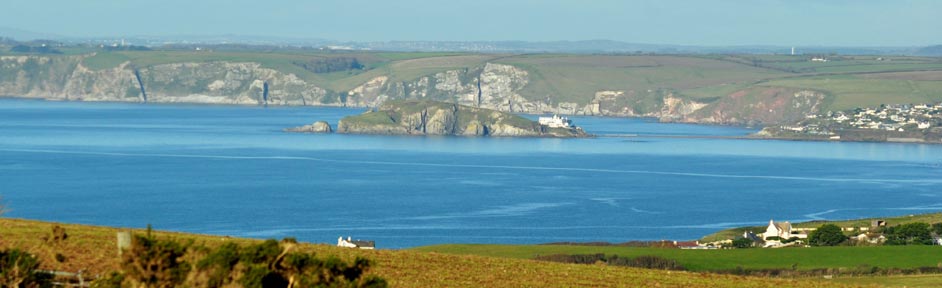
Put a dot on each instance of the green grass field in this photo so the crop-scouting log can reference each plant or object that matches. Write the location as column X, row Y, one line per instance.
column 576, row 78
column 853, row 91
column 727, row 259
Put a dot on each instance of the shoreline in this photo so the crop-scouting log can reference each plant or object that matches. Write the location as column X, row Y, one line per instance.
column 754, row 137
column 654, row 119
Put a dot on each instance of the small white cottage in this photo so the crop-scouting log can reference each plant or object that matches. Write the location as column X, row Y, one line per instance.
column 350, row 243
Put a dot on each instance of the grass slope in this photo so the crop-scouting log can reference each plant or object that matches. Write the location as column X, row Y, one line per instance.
column 576, row 78
column 93, row 249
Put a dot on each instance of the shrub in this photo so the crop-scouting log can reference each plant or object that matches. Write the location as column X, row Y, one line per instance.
column 331, row 64
column 827, row 235
column 151, row 262
column 270, row 264
column 743, row 243
column 166, row 263
column 18, row 269
column 909, row 234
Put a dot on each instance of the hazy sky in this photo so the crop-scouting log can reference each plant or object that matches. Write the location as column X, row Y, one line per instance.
column 716, row 22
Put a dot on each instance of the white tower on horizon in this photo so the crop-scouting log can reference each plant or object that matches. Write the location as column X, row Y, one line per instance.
column 793, row 50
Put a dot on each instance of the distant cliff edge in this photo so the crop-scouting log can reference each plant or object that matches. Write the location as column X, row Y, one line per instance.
column 425, row 117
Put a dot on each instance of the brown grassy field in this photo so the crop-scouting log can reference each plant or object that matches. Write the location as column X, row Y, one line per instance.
column 93, row 249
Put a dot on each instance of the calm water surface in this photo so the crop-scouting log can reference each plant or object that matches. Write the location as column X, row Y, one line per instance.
column 230, row 170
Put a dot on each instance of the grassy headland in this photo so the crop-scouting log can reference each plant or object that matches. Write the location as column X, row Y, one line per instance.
column 851, row 81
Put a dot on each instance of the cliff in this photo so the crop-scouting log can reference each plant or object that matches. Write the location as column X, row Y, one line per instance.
column 484, row 84
column 424, row 117
column 221, row 82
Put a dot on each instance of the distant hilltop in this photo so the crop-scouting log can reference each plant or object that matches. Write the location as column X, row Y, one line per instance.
column 734, row 89
column 426, row 117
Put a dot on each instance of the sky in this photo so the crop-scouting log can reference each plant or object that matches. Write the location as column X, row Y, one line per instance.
column 683, row 22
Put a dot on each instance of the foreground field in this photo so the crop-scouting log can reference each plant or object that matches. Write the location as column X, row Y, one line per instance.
column 909, row 281
column 93, row 249
column 725, row 260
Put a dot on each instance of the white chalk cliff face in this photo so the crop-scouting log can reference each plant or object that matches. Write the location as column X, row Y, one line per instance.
column 491, row 85
column 66, row 78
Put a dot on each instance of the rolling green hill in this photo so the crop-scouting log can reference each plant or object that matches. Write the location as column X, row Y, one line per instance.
column 684, row 88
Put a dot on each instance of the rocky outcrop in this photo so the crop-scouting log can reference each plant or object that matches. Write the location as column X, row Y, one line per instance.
column 425, row 117
column 316, row 127
column 493, row 86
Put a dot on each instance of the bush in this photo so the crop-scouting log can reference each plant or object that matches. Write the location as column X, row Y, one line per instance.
column 827, row 235
column 743, row 243
column 331, row 64
column 936, row 228
column 151, row 262
column 160, row 263
column 909, row 234
column 18, row 269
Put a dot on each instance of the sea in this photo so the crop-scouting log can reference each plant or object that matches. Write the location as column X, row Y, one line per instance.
column 231, row 170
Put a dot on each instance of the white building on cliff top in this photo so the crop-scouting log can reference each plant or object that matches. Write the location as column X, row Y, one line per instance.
column 555, row 122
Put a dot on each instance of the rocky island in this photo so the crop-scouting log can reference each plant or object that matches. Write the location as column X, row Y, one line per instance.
column 316, row 127
column 425, row 117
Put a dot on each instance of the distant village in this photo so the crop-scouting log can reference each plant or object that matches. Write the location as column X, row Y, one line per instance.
column 900, row 123
column 783, row 234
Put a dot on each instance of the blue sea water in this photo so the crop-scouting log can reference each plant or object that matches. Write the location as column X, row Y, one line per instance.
column 230, row 170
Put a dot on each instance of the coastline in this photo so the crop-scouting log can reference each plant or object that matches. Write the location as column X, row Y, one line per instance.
column 741, row 137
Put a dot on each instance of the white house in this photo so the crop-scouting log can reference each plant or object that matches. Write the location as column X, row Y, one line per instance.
column 350, row 243
column 782, row 230
column 555, row 122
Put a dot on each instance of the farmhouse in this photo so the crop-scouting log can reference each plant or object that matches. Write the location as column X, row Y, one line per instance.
column 350, row 243
column 782, row 230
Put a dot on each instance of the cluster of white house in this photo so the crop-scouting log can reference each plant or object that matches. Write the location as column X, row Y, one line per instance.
column 782, row 234
column 892, row 117
column 888, row 117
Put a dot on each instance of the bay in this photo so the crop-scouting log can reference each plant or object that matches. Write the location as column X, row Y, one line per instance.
column 230, row 170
